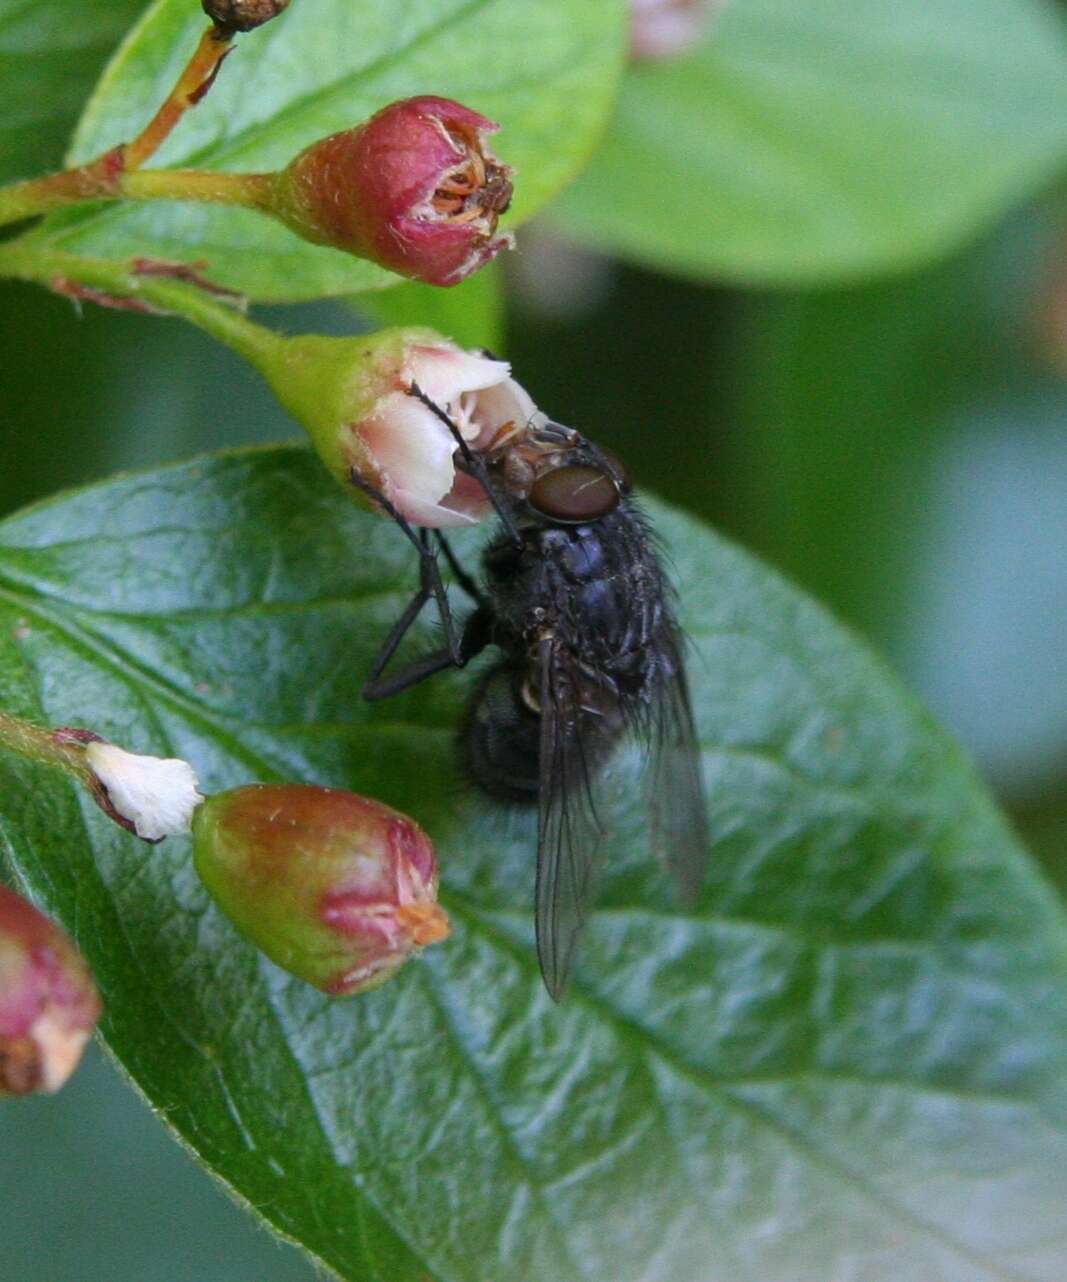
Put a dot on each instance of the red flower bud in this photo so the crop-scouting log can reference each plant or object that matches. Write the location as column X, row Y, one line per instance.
column 335, row 888
column 414, row 189
column 48, row 1003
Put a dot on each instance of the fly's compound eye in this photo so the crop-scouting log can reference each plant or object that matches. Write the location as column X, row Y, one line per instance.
column 574, row 495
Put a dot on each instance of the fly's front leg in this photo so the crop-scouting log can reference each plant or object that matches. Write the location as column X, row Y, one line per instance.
column 476, row 636
column 473, row 463
column 430, row 584
column 458, row 572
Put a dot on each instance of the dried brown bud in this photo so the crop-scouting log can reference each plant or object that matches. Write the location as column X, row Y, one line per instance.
column 243, row 15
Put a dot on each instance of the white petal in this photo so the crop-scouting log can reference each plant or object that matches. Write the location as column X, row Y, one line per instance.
column 445, row 373
column 411, row 448
column 157, row 795
column 413, row 451
column 505, row 402
column 435, row 516
column 59, row 1046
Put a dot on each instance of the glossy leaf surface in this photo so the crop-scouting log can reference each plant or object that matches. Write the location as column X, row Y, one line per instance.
column 849, row 1062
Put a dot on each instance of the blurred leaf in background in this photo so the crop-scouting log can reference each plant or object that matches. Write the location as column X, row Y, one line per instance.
column 835, row 139
column 92, row 1189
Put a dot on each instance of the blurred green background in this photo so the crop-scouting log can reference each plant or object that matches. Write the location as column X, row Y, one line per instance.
column 897, row 447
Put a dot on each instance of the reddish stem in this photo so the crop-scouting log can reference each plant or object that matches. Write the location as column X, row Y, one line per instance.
column 194, row 82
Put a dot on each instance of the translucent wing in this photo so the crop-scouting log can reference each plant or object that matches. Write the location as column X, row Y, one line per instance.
column 674, row 786
column 579, row 723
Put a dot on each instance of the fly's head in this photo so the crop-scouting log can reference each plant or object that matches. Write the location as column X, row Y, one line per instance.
column 555, row 476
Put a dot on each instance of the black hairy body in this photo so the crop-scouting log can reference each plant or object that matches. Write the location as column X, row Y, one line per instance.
column 598, row 593
column 574, row 602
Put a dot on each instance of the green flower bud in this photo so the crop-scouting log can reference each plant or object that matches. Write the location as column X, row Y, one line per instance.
column 335, row 888
column 352, row 396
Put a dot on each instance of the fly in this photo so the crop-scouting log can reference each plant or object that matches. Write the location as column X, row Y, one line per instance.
column 575, row 602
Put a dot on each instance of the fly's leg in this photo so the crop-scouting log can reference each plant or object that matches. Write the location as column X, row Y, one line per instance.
column 407, row 677
column 474, row 463
column 430, row 584
column 458, row 572
column 475, row 638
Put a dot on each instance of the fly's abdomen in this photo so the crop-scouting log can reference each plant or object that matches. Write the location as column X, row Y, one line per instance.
column 500, row 739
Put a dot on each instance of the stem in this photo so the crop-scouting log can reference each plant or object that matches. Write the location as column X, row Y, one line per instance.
column 38, row 744
column 105, row 177
column 142, row 282
column 100, row 179
column 253, row 191
column 197, row 78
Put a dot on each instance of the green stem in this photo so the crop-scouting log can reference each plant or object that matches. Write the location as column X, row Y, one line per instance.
column 27, row 199
column 105, row 179
column 251, row 191
column 97, row 180
column 38, row 744
column 139, row 283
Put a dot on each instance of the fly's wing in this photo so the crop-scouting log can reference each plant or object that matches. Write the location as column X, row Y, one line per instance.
column 675, row 789
column 569, row 829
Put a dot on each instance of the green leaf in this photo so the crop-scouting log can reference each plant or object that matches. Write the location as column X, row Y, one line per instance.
column 546, row 70
column 848, row 1062
column 832, row 139
column 51, row 52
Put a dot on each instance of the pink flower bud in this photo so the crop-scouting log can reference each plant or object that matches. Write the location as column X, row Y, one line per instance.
column 335, row 888
column 667, row 28
column 353, row 398
column 48, row 1003
column 415, row 189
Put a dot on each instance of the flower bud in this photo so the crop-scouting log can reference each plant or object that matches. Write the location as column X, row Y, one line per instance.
column 667, row 28
column 415, row 189
column 243, row 15
column 353, row 398
column 153, row 797
column 48, row 1003
column 334, row 888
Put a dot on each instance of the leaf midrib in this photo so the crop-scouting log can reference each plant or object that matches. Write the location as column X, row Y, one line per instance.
column 629, row 1031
